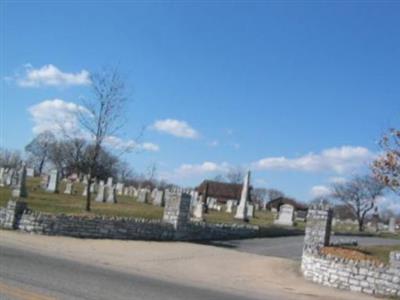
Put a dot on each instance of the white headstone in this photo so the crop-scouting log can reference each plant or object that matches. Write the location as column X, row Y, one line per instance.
column 84, row 192
column 198, row 211
column 241, row 211
column 392, row 225
column 52, row 186
column 120, row 188
column 230, row 205
column 30, row 172
column 159, row 198
column 250, row 211
column 9, row 176
column 100, row 192
column 2, row 176
column 111, row 194
column 285, row 216
column 68, row 188
column 143, row 196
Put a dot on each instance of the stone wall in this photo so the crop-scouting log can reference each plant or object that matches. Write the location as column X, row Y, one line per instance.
column 362, row 276
column 176, row 226
column 95, row 227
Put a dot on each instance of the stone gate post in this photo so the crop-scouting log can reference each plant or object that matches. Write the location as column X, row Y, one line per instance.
column 318, row 228
column 177, row 209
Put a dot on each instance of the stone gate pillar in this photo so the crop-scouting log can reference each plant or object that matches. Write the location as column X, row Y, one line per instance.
column 177, row 209
column 14, row 211
column 318, row 228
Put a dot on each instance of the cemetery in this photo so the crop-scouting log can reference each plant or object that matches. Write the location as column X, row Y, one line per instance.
column 54, row 207
column 49, row 205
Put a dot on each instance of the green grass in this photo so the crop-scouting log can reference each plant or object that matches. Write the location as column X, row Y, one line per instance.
column 380, row 252
column 261, row 218
column 42, row 201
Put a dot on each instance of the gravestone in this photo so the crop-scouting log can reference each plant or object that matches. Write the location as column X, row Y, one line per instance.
column 285, row 216
column 119, row 188
column 100, row 192
column 19, row 188
column 392, row 225
column 211, row 203
column 44, row 181
column 84, row 192
column 111, row 194
column 126, row 191
column 9, row 176
column 2, row 177
column 153, row 194
column 52, row 186
column 241, row 211
column 198, row 211
column 30, row 172
column 230, row 205
column 93, row 187
column 68, row 188
column 250, row 211
column 143, row 196
column 159, row 198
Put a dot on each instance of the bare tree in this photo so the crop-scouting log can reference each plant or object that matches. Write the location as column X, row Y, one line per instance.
column 259, row 195
column 219, row 178
column 386, row 167
column 103, row 117
column 235, row 175
column 10, row 159
column 359, row 195
column 39, row 148
column 125, row 171
column 274, row 194
column 151, row 173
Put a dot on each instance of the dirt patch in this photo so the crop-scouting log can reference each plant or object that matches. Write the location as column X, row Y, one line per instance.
column 349, row 254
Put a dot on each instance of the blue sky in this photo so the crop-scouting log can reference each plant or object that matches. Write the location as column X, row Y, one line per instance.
column 298, row 91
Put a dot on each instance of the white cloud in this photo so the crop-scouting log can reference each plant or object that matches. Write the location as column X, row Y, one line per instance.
column 50, row 75
column 57, row 116
column 176, row 128
column 61, row 118
column 186, row 170
column 338, row 160
column 130, row 145
column 320, row 191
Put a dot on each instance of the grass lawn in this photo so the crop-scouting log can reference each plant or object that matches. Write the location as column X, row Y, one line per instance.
column 39, row 200
column 42, row 201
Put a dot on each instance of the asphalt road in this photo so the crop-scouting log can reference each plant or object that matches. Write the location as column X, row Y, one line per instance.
column 26, row 275
column 291, row 247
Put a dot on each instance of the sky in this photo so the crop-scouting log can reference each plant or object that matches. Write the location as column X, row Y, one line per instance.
column 299, row 92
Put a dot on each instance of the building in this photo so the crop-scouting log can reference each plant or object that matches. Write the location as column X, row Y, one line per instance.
column 274, row 205
column 222, row 191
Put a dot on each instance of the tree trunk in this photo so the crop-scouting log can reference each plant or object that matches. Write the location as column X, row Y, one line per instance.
column 360, row 225
column 88, row 196
column 41, row 166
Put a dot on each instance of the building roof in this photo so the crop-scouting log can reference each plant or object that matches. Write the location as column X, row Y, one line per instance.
column 276, row 203
column 221, row 190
